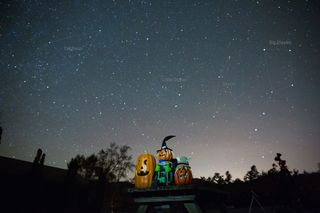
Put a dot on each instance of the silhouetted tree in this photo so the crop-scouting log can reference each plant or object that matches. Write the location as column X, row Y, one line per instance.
column 228, row 178
column 112, row 163
column 237, row 180
column 282, row 163
column 273, row 170
column 115, row 161
column 295, row 172
column 75, row 164
column 89, row 168
column 263, row 174
column 84, row 166
column 252, row 174
column 36, row 166
column 43, row 157
column 36, row 181
column 37, row 157
column 305, row 172
column 217, row 178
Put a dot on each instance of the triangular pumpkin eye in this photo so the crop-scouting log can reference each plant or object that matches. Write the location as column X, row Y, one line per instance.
column 145, row 162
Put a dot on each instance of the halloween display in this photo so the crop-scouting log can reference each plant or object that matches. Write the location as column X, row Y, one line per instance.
column 183, row 174
column 165, row 155
column 166, row 171
column 144, row 170
column 165, row 168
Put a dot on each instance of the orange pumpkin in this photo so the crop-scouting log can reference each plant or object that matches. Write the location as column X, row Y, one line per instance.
column 164, row 154
column 144, row 170
column 182, row 175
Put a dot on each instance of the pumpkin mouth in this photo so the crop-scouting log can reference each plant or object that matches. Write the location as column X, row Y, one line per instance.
column 183, row 176
column 142, row 173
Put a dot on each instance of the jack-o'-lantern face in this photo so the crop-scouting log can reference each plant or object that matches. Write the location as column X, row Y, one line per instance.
column 164, row 154
column 144, row 170
column 183, row 175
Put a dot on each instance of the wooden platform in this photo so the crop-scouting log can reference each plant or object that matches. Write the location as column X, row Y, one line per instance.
column 188, row 196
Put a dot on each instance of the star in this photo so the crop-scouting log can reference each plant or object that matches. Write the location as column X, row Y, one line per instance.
column 134, row 72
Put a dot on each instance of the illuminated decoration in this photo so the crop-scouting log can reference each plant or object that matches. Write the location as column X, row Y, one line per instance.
column 183, row 174
column 165, row 168
column 165, row 153
column 144, row 170
column 167, row 171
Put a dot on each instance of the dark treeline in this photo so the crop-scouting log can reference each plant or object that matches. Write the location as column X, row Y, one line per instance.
column 91, row 184
column 111, row 164
column 279, row 189
column 253, row 174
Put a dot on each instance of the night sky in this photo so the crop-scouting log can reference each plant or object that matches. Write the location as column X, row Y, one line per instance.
column 235, row 81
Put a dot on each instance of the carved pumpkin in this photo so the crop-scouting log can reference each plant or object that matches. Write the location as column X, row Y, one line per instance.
column 164, row 154
column 144, row 170
column 183, row 175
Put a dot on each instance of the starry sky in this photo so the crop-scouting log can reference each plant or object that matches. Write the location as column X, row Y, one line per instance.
column 235, row 81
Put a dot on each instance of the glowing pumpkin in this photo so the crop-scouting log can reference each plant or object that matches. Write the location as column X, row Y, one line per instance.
column 144, row 170
column 182, row 175
column 164, row 154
